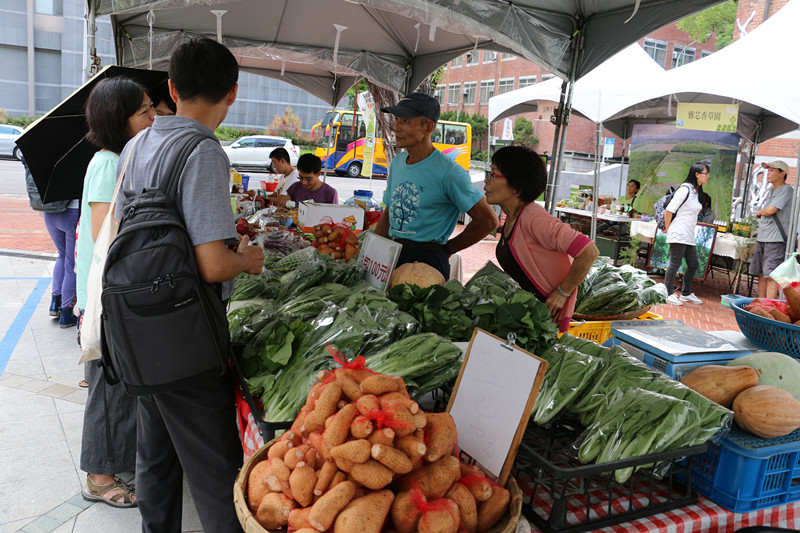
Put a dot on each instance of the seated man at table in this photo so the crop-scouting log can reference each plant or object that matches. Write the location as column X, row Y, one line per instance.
column 613, row 228
column 310, row 187
column 282, row 165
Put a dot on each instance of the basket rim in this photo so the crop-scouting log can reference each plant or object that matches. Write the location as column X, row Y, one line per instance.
column 739, row 310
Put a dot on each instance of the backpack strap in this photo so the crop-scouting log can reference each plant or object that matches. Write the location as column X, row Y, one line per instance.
column 170, row 181
column 780, row 226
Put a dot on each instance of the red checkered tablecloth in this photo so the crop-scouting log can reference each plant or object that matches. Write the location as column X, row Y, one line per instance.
column 704, row 516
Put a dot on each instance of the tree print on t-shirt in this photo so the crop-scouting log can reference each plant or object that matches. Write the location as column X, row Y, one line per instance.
column 404, row 204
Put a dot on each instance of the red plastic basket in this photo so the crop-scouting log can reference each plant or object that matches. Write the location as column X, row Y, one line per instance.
column 769, row 334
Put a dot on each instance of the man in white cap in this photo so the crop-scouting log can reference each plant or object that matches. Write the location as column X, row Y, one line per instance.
column 426, row 191
column 772, row 228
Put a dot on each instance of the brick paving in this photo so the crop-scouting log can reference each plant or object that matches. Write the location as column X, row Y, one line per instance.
column 22, row 229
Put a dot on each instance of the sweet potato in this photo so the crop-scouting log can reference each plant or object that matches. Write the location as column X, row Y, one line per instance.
column 295, row 437
column 256, row 485
column 793, row 298
column 367, row 404
column 403, row 420
column 467, row 506
column 295, row 455
column 760, row 312
column 412, row 446
column 372, row 474
column 382, row 436
column 306, row 530
column 434, row 478
column 405, row 513
column 781, row 317
column 317, row 442
column 279, row 449
column 345, row 465
column 366, row 514
column 361, row 427
column 324, row 407
column 492, row 510
column 273, row 513
column 338, row 477
column 298, row 518
column 379, row 384
column 392, row 458
column 302, row 482
column 324, row 511
column 419, row 419
column 297, row 425
column 350, row 386
column 357, row 451
column 440, row 435
column 336, row 433
column 442, row 517
column 324, row 477
column 391, row 398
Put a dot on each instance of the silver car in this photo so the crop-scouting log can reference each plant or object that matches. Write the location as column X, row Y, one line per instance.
column 8, row 136
column 254, row 151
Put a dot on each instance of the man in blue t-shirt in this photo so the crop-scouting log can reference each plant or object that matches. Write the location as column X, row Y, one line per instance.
column 426, row 191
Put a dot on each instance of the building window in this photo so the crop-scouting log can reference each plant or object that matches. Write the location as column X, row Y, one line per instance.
column 472, row 58
column 456, row 62
column 705, row 53
column 470, row 88
column 439, row 94
column 453, row 93
column 48, row 7
column 487, row 91
column 508, row 57
column 682, row 55
column 526, row 81
column 546, row 77
column 657, row 50
column 489, row 56
column 505, row 85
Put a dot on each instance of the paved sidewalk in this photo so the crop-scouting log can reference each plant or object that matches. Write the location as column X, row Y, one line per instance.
column 41, row 416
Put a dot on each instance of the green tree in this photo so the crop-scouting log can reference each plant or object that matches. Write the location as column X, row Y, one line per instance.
column 719, row 19
column 285, row 125
column 448, row 115
column 480, row 126
column 523, row 133
column 350, row 95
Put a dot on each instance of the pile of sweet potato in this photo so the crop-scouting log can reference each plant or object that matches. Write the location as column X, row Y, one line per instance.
column 787, row 312
column 362, row 457
column 335, row 241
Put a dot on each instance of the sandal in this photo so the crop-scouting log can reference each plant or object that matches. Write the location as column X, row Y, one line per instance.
column 83, row 384
column 123, row 498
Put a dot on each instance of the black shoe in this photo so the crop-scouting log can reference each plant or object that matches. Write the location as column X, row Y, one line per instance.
column 55, row 305
column 67, row 319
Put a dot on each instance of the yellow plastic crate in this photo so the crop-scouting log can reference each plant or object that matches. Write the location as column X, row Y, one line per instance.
column 599, row 331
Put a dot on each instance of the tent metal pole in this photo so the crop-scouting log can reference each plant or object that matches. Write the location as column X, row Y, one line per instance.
column 596, row 189
column 749, row 177
column 564, row 116
column 549, row 199
column 791, row 236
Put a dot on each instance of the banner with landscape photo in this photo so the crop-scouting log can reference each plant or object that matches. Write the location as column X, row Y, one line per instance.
column 660, row 157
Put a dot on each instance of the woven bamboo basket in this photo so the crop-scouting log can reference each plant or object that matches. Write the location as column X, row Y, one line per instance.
column 630, row 315
column 508, row 524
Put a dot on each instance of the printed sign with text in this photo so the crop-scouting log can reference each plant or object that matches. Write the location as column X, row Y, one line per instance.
column 379, row 256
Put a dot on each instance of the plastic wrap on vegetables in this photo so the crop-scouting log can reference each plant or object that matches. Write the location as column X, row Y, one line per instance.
column 490, row 281
column 569, row 373
column 310, row 303
column 245, row 322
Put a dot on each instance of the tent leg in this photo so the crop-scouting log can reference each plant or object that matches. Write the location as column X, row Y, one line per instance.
column 555, row 157
column 564, row 117
column 596, row 190
column 791, row 236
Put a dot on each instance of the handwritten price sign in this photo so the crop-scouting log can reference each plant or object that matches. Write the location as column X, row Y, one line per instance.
column 379, row 256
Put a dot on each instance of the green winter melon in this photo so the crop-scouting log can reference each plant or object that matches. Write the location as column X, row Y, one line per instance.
column 776, row 369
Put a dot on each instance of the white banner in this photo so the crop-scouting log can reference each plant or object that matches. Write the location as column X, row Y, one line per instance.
column 367, row 107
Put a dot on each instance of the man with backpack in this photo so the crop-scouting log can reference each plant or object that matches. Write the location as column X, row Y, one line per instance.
column 773, row 223
column 187, row 426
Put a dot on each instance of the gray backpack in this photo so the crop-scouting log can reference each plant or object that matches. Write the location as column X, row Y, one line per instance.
column 36, row 200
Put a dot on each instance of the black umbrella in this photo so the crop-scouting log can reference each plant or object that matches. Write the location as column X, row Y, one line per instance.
column 55, row 146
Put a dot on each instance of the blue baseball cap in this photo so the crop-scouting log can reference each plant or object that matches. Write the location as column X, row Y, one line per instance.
column 415, row 105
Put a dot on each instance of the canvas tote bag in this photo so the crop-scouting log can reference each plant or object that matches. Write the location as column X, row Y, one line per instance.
column 91, row 347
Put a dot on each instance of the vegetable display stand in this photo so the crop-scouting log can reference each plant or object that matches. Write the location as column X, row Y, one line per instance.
column 247, row 405
column 744, row 473
column 566, row 496
column 772, row 335
column 507, row 524
column 599, row 331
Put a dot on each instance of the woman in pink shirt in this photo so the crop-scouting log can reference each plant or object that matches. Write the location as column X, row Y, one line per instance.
column 545, row 256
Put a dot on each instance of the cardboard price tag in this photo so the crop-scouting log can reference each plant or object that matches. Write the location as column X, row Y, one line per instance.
column 379, row 257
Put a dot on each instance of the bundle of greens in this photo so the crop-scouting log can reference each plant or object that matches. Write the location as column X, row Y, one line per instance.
column 264, row 285
column 610, row 290
column 269, row 350
column 491, row 282
column 444, row 310
column 639, row 423
column 521, row 314
column 425, row 362
column 311, row 303
column 245, row 322
column 568, row 374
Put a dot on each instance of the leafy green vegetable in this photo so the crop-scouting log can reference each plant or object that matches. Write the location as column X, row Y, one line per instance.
column 568, row 374
column 491, row 282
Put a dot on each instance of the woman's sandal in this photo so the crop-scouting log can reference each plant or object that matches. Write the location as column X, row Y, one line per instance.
column 123, row 498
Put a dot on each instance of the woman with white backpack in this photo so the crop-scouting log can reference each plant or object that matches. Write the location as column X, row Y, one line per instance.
column 680, row 220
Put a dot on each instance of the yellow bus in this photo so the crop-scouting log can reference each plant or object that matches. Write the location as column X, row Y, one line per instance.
column 341, row 143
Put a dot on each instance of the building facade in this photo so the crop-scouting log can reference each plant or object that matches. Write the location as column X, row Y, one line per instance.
column 42, row 52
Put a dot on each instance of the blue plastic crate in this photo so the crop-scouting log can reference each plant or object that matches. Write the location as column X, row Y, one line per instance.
column 770, row 334
column 744, row 473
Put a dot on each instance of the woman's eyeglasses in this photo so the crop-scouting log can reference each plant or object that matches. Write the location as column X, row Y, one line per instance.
column 489, row 175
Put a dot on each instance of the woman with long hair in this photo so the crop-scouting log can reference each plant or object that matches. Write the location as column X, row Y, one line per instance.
column 545, row 256
column 117, row 109
column 680, row 220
